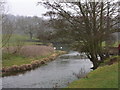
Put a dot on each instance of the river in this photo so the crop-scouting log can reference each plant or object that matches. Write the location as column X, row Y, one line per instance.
column 57, row 73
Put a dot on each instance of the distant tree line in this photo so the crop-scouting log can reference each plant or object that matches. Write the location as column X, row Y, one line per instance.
column 23, row 25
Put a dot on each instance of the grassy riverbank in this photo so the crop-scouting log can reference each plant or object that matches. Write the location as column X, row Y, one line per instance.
column 103, row 77
column 12, row 59
column 17, row 63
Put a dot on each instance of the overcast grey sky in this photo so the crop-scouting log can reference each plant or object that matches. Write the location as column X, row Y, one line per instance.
column 25, row 8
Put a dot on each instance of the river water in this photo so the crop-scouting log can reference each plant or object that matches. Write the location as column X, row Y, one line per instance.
column 57, row 73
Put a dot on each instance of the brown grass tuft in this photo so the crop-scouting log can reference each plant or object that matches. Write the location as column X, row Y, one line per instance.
column 32, row 50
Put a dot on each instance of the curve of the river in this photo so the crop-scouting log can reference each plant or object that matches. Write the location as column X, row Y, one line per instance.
column 57, row 73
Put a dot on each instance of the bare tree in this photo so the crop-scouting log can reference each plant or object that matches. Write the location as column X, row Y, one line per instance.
column 90, row 22
column 30, row 25
column 7, row 27
column 7, row 30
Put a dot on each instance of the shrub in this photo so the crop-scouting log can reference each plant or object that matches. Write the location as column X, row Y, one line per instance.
column 81, row 74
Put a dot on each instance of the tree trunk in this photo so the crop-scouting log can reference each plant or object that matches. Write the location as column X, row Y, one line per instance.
column 107, row 55
column 102, row 58
column 31, row 35
column 95, row 65
column 94, row 61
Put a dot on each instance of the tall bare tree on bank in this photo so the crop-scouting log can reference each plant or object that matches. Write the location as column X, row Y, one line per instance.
column 1, row 11
column 7, row 30
column 6, row 24
column 90, row 22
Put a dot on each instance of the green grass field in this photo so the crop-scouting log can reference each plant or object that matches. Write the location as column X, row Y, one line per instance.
column 20, row 39
column 113, row 45
column 103, row 77
column 15, row 38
